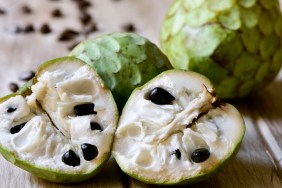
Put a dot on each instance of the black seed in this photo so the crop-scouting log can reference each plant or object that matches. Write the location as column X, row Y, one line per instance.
column 28, row 28
column 129, row 27
column 89, row 151
column 95, row 126
column 177, row 153
column 26, row 9
column 91, row 28
column 84, row 109
column 70, row 158
column 83, row 4
column 73, row 45
column 85, row 18
column 160, row 96
column 13, row 87
column 17, row 128
column 27, row 75
column 200, row 155
column 45, row 29
column 57, row 13
column 2, row 11
column 67, row 35
column 11, row 109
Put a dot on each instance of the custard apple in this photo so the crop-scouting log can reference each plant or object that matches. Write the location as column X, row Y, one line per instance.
column 123, row 60
column 174, row 130
column 61, row 129
column 235, row 43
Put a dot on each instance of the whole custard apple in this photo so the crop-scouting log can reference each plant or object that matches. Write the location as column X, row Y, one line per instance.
column 123, row 60
column 235, row 43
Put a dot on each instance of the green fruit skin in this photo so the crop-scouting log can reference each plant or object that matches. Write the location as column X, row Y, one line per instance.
column 236, row 44
column 44, row 173
column 200, row 177
column 123, row 60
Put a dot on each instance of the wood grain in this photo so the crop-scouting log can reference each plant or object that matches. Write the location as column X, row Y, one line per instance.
column 259, row 161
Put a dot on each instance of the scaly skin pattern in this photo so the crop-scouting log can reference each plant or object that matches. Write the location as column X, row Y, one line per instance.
column 123, row 60
column 235, row 43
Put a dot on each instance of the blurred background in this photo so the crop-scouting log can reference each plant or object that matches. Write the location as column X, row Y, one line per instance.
column 34, row 31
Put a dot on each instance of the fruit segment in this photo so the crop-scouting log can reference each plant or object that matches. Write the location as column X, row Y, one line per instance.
column 174, row 130
column 62, row 131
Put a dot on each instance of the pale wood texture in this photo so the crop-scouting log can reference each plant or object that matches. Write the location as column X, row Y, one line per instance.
column 259, row 161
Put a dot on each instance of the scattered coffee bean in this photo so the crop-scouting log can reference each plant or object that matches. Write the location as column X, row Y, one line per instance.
column 2, row 11
column 27, row 75
column 70, row 158
column 85, row 18
column 67, row 35
column 177, row 153
column 89, row 151
column 11, row 109
column 17, row 128
column 160, row 96
column 28, row 28
column 91, row 28
column 84, row 109
column 95, row 126
column 13, row 87
column 129, row 27
column 45, row 29
column 200, row 155
column 26, row 9
column 57, row 13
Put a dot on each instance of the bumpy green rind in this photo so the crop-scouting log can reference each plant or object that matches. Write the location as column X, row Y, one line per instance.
column 123, row 60
column 198, row 178
column 235, row 43
column 45, row 173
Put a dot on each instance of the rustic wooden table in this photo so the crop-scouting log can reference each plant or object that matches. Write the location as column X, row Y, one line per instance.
column 259, row 161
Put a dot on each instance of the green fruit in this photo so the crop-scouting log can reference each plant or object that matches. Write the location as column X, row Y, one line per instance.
column 173, row 130
column 123, row 60
column 236, row 44
column 60, row 126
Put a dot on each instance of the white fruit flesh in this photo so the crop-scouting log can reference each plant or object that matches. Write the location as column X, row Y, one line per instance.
column 52, row 128
column 148, row 134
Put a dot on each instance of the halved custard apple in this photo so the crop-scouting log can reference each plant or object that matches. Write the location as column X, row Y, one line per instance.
column 174, row 130
column 63, row 129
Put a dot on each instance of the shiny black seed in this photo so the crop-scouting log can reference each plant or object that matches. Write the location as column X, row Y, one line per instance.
column 13, row 87
column 57, row 13
column 160, row 96
column 68, row 35
column 83, row 4
column 84, row 109
column 45, row 29
column 177, row 153
column 200, row 155
column 89, row 151
column 11, row 109
column 95, row 126
column 26, row 9
column 70, row 158
column 27, row 75
column 17, row 128
column 129, row 27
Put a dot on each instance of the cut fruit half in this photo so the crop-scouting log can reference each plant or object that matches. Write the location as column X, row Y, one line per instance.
column 173, row 130
column 63, row 129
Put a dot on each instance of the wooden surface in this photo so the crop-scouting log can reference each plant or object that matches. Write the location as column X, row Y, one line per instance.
column 259, row 161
